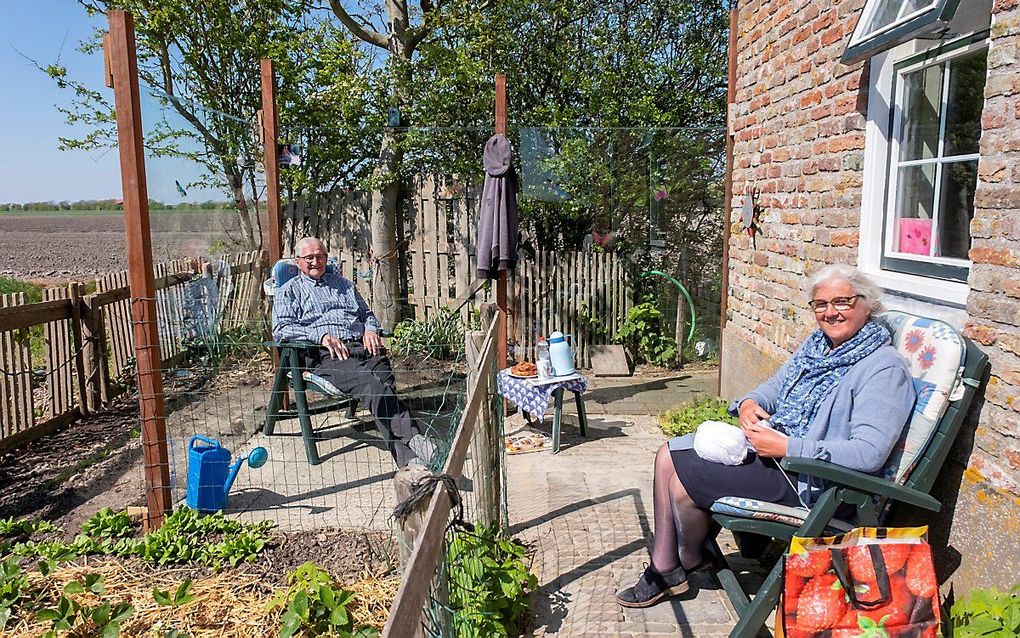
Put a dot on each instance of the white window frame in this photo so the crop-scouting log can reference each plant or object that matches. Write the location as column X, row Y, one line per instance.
column 879, row 180
column 935, row 17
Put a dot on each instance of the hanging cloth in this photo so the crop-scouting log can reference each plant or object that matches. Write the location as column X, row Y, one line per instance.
column 497, row 220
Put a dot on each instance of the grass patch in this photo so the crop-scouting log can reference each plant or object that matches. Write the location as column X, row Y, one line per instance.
column 686, row 417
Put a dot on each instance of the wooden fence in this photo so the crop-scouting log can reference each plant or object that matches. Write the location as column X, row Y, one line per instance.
column 477, row 430
column 85, row 343
column 585, row 294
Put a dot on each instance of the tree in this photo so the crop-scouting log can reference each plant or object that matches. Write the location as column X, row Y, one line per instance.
column 201, row 59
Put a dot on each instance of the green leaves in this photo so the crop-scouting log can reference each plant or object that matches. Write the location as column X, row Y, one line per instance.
column 686, row 417
column 642, row 333
column 180, row 597
column 109, row 524
column 314, row 605
column 489, row 583
column 440, row 336
column 988, row 613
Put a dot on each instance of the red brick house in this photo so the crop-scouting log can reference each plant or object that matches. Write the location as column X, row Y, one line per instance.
column 886, row 134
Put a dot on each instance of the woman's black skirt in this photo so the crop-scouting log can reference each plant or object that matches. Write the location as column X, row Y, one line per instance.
column 757, row 478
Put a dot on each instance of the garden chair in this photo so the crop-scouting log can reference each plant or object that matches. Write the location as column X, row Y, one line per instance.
column 947, row 370
column 290, row 373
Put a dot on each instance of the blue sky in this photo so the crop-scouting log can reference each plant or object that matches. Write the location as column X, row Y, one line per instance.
column 38, row 171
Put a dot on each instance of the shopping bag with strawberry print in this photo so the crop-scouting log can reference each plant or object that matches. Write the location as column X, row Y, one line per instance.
column 872, row 582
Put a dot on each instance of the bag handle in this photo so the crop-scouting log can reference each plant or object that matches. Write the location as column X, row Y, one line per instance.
column 843, row 574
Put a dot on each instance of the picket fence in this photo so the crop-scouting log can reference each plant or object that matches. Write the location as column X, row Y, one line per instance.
column 585, row 294
column 88, row 342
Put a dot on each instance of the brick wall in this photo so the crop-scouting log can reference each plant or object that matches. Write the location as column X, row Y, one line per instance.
column 799, row 128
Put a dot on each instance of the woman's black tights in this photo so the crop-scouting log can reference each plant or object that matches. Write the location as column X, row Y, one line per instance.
column 680, row 526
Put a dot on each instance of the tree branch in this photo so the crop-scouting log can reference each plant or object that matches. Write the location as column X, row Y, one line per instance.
column 370, row 36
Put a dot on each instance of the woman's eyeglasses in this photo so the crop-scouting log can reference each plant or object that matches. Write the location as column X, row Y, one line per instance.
column 311, row 258
column 841, row 304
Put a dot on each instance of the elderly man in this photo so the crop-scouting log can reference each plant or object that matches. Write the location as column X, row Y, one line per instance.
column 325, row 308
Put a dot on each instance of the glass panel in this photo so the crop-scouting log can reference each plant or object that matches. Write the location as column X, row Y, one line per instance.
column 915, row 200
column 889, row 11
column 956, row 208
column 922, row 94
column 966, row 97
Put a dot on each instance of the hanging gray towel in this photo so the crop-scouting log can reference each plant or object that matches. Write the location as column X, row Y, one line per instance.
column 497, row 220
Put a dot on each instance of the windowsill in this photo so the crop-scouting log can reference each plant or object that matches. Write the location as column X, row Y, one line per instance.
column 936, row 291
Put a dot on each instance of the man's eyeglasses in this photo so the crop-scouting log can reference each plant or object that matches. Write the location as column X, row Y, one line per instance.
column 312, row 258
column 841, row 304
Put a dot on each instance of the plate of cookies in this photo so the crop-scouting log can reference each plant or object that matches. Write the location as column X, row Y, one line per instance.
column 524, row 370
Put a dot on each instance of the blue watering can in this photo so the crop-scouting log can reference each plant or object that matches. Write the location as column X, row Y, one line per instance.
column 210, row 473
column 560, row 354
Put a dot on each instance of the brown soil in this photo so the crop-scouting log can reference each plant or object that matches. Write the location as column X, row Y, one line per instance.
column 50, row 248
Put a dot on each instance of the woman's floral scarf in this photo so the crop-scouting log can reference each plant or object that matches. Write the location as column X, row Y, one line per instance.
column 814, row 371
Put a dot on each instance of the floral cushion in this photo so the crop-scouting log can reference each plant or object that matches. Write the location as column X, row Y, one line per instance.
column 935, row 353
column 763, row 510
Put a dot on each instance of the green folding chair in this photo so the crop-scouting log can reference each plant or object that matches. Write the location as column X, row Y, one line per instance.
column 947, row 370
column 290, row 374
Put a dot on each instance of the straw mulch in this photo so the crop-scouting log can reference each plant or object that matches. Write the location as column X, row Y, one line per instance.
column 226, row 604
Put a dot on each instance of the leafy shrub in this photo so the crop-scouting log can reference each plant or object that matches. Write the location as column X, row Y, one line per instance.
column 988, row 613
column 440, row 336
column 489, row 583
column 642, row 334
column 314, row 605
column 686, row 417
column 109, row 524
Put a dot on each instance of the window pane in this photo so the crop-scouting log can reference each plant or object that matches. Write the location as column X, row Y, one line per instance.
column 956, row 208
column 966, row 97
column 889, row 11
column 922, row 92
column 915, row 203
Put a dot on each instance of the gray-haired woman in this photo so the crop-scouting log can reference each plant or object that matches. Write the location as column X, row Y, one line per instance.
column 844, row 396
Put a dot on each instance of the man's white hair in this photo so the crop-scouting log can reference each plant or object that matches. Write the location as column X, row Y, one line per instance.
column 305, row 241
column 870, row 292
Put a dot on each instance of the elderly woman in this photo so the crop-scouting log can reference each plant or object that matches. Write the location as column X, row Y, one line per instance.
column 844, row 396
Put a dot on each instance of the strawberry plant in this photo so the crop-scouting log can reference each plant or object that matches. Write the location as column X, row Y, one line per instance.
column 180, row 597
column 79, row 619
column 313, row 605
column 989, row 613
column 13, row 588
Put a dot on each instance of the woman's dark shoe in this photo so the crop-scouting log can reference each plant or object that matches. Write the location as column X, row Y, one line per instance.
column 653, row 587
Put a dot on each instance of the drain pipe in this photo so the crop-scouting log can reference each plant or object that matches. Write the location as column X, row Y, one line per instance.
column 731, row 99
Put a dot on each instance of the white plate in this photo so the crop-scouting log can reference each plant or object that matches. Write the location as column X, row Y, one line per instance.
column 517, row 376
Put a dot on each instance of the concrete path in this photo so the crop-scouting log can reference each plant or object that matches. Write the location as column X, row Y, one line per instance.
column 587, row 512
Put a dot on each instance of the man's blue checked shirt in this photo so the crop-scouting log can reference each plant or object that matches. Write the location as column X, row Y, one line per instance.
column 309, row 309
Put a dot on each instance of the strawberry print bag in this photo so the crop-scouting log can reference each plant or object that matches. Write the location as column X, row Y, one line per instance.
column 869, row 583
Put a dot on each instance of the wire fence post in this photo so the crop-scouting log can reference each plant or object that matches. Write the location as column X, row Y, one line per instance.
column 139, row 244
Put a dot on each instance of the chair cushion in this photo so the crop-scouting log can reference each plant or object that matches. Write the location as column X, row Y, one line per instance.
column 935, row 353
column 766, row 511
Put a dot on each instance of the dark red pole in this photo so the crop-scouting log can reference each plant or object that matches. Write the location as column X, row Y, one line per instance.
column 731, row 99
column 501, row 300
column 140, row 274
column 269, row 134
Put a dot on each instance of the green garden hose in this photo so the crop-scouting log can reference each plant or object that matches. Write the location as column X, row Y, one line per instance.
column 690, row 302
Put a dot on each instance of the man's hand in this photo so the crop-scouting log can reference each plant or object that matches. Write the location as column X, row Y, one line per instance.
column 750, row 413
column 766, row 441
column 373, row 343
column 337, row 348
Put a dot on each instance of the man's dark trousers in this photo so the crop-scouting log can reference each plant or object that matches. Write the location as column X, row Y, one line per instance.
column 370, row 380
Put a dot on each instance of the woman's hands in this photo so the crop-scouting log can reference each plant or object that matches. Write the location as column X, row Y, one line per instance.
column 750, row 413
column 766, row 441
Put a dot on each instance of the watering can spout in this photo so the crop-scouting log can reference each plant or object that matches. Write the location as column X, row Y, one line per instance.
column 235, row 467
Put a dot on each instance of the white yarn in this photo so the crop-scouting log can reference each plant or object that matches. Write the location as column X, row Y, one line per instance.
column 720, row 443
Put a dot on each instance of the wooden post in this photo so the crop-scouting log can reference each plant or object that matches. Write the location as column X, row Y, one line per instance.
column 485, row 481
column 77, row 342
column 139, row 248
column 731, row 99
column 269, row 134
column 403, row 484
